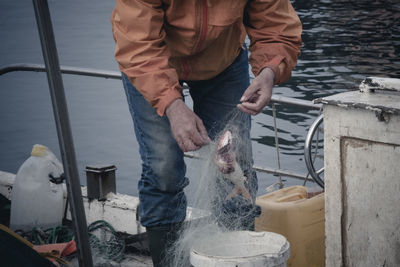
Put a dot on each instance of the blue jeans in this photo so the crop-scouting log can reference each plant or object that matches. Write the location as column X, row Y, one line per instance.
column 162, row 200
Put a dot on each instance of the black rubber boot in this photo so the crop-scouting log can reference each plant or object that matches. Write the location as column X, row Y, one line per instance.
column 161, row 239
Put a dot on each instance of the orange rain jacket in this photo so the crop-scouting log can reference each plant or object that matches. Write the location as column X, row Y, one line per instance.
column 159, row 42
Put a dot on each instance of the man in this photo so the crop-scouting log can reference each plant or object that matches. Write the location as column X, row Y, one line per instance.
column 162, row 43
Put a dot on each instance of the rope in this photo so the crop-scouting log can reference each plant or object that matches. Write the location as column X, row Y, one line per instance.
column 38, row 236
column 102, row 237
column 104, row 240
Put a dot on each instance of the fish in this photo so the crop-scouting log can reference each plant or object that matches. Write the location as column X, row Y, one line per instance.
column 225, row 159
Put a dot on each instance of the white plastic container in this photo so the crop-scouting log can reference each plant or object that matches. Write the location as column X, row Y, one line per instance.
column 35, row 201
column 241, row 249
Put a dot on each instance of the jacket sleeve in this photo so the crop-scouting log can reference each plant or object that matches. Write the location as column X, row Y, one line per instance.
column 274, row 30
column 142, row 53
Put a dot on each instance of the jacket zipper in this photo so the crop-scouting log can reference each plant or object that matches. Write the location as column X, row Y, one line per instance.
column 203, row 26
column 203, row 32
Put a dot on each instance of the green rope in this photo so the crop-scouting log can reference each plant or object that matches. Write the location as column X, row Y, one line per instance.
column 104, row 240
column 102, row 237
column 38, row 236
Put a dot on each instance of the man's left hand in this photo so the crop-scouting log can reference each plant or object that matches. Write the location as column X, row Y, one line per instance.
column 258, row 94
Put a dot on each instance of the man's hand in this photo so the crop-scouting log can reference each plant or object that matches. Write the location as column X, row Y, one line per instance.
column 258, row 94
column 187, row 128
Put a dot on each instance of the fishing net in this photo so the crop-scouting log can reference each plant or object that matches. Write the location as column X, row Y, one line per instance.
column 107, row 246
column 218, row 205
column 39, row 236
column 105, row 242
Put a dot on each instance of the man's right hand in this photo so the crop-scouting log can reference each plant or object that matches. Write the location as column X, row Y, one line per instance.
column 187, row 128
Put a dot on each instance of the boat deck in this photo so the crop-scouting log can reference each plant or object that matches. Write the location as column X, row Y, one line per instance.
column 118, row 209
column 136, row 259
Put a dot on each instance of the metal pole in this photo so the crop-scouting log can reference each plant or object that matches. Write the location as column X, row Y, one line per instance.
column 277, row 144
column 63, row 130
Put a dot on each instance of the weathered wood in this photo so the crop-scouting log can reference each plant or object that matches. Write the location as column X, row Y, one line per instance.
column 362, row 181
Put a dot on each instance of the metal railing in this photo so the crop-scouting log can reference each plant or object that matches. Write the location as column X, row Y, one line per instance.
column 275, row 99
column 308, row 156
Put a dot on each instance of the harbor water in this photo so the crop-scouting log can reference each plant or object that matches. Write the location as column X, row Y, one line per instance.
column 344, row 42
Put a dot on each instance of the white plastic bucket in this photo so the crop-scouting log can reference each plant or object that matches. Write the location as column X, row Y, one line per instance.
column 241, row 249
column 35, row 201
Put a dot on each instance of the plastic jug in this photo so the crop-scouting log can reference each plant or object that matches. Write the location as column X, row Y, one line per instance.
column 35, row 200
column 301, row 219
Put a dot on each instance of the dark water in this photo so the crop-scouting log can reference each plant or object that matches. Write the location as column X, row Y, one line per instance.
column 344, row 41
